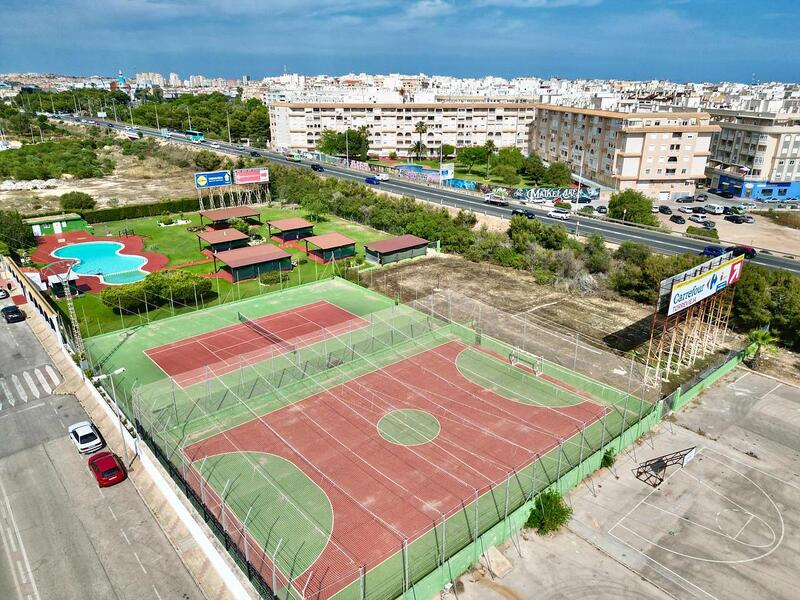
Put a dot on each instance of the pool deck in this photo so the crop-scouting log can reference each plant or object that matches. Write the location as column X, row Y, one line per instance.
column 131, row 244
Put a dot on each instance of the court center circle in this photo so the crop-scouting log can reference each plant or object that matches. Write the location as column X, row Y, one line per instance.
column 408, row 427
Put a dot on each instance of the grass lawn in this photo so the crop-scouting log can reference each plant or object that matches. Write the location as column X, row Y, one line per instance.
column 180, row 246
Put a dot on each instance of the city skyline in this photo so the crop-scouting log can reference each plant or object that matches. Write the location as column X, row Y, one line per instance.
column 701, row 40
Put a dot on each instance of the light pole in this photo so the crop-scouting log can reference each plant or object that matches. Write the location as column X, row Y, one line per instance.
column 228, row 117
column 624, row 212
column 130, row 112
column 158, row 126
column 110, row 376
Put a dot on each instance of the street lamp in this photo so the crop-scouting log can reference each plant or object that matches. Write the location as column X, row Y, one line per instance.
column 110, row 376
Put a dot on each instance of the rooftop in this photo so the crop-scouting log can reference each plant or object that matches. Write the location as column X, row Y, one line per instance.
column 251, row 255
column 52, row 219
column 290, row 223
column 234, row 212
column 219, row 236
column 400, row 242
column 329, row 241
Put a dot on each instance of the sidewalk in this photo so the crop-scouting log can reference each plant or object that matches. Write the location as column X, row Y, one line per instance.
column 198, row 563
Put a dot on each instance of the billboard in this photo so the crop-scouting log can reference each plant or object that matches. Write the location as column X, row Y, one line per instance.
column 211, row 179
column 256, row 175
column 565, row 194
column 705, row 284
column 447, row 170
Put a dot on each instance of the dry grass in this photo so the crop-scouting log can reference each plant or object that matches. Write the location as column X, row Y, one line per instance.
column 783, row 217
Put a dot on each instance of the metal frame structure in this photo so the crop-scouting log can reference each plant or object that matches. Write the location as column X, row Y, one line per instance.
column 652, row 471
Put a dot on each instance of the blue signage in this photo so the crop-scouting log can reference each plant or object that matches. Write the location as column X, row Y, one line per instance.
column 212, row 179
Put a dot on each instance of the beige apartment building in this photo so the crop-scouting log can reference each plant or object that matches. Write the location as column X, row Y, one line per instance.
column 298, row 126
column 659, row 154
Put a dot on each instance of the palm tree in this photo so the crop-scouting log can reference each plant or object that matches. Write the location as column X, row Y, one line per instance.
column 418, row 149
column 490, row 147
column 420, row 128
column 758, row 341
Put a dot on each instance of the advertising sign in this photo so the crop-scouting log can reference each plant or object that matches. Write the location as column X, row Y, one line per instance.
column 211, row 179
column 101, row 114
column 448, row 170
column 256, row 175
column 565, row 194
column 693, row 290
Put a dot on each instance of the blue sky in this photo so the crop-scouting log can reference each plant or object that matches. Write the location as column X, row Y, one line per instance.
column 682, row 40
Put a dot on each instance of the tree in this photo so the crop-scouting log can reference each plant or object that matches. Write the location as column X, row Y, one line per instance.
column 15, row 234
column 557, row 175
column 549, row 513
column 511, row 157
column 760, row 341
column 417, row 149
column 448, row 150
column 329, row 142
column 490, row 148
column 471, row 155
column 596, row 256
column 633, row 252
column 421, row 128
column 206, row 160
column 317, row 205
column 76, row 201
column 240, row 225
column 633, row 206
column 534, row 168
column 506, row 174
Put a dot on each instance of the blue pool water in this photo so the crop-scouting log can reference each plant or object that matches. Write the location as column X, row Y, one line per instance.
column 417, row 169
column 102, row 259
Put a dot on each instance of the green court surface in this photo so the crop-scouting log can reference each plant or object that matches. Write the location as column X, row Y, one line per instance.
column 286, row 505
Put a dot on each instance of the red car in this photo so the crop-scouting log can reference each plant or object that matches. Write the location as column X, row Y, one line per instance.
column 107, row 469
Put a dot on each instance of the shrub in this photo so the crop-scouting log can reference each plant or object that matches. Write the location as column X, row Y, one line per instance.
column 609, row 457
column 586, row 210
column 549, row 513
column 239, row 224
column 392, row 155
column 564, row 205
column 270, row 278
column 543, row 276
column 76, row 201
column 167, row 221
column 703, row 232
column 632, row 252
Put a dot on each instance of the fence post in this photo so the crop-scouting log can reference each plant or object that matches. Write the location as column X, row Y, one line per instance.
column 405, row 565
column 558, row 469
column 444, row 538
column 476, row 531
column 361, row 582
column 274, row 560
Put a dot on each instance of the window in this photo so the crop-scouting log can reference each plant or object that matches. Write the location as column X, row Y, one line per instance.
column 647, row 171
column 670, row 171
column 782, row 192
column 658, row 172
column 766, row 192
column 683, row 171
column 672, row 159
column 674, row 146
column 677, row 134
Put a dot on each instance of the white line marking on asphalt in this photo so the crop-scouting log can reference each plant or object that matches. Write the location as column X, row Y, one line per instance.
column 155, row 591
column 777, row 385
column 112, row 513
column 52, row 373
column 139, row 560
column 21, row 572
column 21, row 410
column 125, row 536
column 18, row 384
column 8, row 555
column 31, row 383
column 738, row 379
column 19, row 538
column 7, row 392
column 45, row 386
column 11, row 539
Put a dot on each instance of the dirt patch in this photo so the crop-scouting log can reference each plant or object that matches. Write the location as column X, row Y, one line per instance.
column 783, row 364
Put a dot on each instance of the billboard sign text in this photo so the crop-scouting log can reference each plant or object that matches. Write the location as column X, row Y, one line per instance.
column 693, row 290
column 211, row 179
column 257, row 175
column 447, row 170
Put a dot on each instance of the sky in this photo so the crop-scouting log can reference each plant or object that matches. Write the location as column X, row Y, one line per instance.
column 681, row 40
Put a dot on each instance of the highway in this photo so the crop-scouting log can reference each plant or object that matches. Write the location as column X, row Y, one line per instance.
column 612, row 231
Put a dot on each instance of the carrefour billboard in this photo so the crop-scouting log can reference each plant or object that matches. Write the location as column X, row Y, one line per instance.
column 694, row 289
column 257, row 175
column 211, row 179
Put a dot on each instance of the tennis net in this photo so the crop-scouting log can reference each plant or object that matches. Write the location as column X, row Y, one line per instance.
column 267, row 334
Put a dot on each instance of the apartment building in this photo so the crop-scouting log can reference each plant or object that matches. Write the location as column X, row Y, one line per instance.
column 659, row 154
column 756, row 154
column 391, row 127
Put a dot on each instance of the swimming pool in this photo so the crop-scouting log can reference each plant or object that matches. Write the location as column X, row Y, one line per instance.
column 103, row 260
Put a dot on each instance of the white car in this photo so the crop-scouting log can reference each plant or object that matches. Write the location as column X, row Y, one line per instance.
column 745, row 206
column 85, row 437
column 382, row 177
column 653, row 209
column 686, row 209
column 559, row 213
column 215, row 145
column 698, row 218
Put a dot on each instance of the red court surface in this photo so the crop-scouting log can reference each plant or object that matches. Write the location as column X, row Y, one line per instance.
column 131, row 244
column 382, row 492
column 194, row 359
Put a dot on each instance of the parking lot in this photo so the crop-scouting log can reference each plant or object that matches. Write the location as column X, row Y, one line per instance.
column 61, row 535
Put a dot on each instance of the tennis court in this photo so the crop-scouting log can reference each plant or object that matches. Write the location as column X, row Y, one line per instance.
column 347, row 446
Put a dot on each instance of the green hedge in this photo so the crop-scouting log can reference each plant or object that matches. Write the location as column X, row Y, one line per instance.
column 134, row 211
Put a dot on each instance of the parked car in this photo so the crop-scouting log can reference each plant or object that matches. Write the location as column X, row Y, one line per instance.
column 317, row 168
column 713, row 251
column 748, row 219
column 741, row 250
column 745, row 205
column 85, row 437
column 372, row 180
column 685, row 200
column 495, row 200
column 699, row 210
column 12, row 314
column 523, row 212
column 701, row 197
column 713, row 190
column 3, row 294
column 698, row 218
column 710, row 224
column 738, row 219
column 678, row 219
column 603, row 210
column 726, row 194
column 107, row 469
column 559, row 213
column 730, row 210
column 715, row 209
column 382, row 177
column 664, row 209
column 686, row 209
column 584, row 200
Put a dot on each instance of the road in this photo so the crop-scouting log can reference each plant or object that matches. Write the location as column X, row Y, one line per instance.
column 612, row 231
column 60, row 535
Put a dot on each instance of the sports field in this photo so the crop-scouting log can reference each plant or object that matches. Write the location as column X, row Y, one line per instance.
column 349, row 445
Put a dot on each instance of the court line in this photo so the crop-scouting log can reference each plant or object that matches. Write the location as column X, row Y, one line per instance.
column 744, row 464
column 19, row 537
column 738, row 533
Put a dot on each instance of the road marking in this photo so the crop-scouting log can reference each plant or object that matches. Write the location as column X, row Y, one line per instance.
column 112, row 513
column 777, row 385
column 738, row 379
column 7, row 392
column 155, row 591
column 18, row 384
column 53, row 375
column 19, row 538
column 45, row 386
column 11, row 539
column 21, row 572
column 21, row 410
column 139, row 560
column 31, row 383
column 125, row 536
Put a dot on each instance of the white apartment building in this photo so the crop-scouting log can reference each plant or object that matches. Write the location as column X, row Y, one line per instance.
column 756, row 154
column 659, row 154
column 299, row 125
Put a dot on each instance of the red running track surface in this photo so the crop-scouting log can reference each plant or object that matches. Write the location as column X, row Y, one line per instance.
column 381, row 492
column 192, row 360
